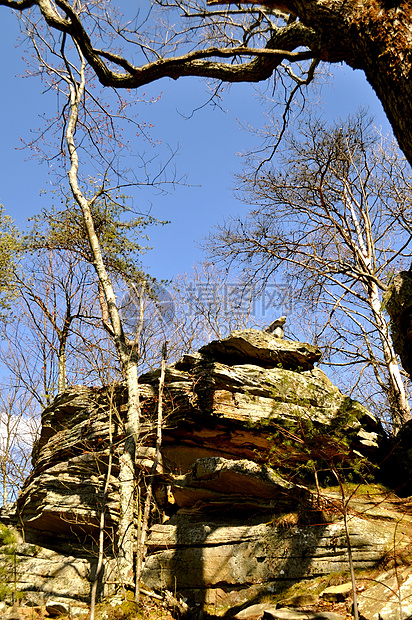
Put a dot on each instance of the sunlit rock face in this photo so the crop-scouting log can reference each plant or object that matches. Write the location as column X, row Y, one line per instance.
column 235, row 512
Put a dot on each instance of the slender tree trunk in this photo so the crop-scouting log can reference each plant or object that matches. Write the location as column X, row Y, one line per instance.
column 100, row 556
column 61, row 384
column 345, row 503
column 5, row 458
column 364, row 248
column 127, row 357
column 141, row 550
column 127, row 479
column 63, row 335
column 3, row 469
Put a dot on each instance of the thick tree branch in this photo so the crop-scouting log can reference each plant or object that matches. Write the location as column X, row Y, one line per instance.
column 278, row 48
column 200, row 63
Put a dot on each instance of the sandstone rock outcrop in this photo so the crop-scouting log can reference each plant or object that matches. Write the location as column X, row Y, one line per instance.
column 231, row 520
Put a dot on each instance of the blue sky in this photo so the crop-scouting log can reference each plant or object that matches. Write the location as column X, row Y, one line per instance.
column 209, row 142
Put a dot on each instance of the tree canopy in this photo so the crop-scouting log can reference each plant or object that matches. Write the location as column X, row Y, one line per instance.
column 121, row 237
column 9, row 252
column 286, row 39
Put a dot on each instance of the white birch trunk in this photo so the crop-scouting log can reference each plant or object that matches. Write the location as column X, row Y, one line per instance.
column 61, row 385
column 126, row 531
column 364, row 250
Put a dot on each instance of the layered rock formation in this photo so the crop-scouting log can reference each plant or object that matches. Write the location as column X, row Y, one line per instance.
column 248, row 421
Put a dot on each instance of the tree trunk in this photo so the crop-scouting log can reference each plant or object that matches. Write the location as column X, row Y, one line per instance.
column 3, row 471
column 365, row 250
column 127, row 357
column 376, row 37
column 61, row 385
column 344, row 506
column 127, row 481
column 102, row 521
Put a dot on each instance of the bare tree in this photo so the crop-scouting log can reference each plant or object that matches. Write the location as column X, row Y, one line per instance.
column 88, row 227
column 63, row 295
column 55, row 337
column 334, row 219
column 18, row 431
column 210, row 303
column 27, row 357
column 127, row 351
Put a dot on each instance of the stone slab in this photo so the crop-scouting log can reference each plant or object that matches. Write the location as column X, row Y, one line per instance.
column 253, row 611
column 294, row 614
column 254, row 344
column 382, row 600
column 337, row 593
column 184, row 553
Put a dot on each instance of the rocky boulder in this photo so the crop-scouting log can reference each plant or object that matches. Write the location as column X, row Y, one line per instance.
column 389, row 597
column 258, row 347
